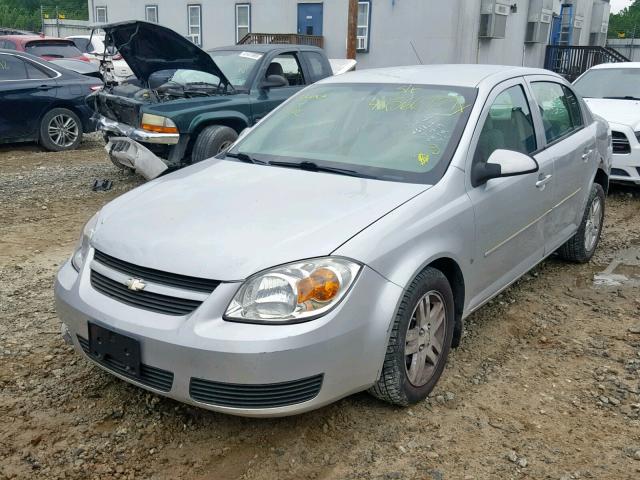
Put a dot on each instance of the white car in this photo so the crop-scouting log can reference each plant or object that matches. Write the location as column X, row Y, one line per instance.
column 93, row 47
column 612, row 91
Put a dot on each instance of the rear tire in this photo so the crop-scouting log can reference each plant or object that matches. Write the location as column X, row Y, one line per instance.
column 211, row 141
column 581, row 247
column 60, row 130
column 419, row 344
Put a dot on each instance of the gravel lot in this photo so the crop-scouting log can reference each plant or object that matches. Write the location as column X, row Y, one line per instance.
column 546, row 384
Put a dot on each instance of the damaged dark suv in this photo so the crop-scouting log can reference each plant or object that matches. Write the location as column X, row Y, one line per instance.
column 187, row 104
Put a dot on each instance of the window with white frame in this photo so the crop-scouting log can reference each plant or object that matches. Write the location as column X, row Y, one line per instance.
column 151, row 13
column 194, row 32
column 364, row 17
column 101, row 14
column 243, row 20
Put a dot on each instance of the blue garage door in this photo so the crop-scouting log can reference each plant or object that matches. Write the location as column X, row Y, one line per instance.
column 310, row 18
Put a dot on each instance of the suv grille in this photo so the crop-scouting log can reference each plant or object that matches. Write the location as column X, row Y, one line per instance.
column 156, row 276
column 141, row 299
column 620, row 143
column 150, row 376
column 255, row 396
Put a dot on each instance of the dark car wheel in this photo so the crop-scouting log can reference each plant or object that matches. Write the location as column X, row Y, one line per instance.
column 211, row 141
column 60, row 129
column 581, row 247
column 420, row 341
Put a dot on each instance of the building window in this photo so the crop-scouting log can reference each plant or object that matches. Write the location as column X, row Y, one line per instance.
column 364, row 19
column 194, row 32
column 101, row 14
column 151, row 13
column 243, row 20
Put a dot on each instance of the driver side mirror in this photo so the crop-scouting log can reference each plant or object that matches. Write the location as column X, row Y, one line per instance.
column 274, row 81
column 502, row 163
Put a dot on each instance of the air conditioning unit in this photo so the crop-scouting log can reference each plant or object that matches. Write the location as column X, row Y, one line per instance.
column 361, row 43
column 539, row 21
column 578, row 25
column 493, row 18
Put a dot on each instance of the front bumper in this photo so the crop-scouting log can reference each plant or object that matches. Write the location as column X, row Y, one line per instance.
column 122, row 130
column 340, row 353
column 626, row 166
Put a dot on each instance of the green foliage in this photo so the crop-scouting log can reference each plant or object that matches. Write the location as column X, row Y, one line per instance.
column 25, row 14
column 626, row 23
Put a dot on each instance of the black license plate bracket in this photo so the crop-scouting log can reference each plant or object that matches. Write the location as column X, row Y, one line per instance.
column 109, row 347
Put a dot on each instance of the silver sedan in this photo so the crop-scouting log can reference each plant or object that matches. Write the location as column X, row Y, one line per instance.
column 339, row 245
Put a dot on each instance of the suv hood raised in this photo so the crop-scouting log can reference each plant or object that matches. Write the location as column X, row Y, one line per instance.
column 226, row 220
column 622, row 112
column 148, row 47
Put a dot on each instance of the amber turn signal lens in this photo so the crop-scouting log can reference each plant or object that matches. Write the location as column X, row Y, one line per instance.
column 322, row 285
column 159, row 128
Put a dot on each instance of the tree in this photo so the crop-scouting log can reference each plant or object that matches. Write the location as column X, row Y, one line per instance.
column 626, row 23
column 25, row 14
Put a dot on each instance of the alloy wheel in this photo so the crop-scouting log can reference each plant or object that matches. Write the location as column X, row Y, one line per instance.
column 63, row 130
column 593, row 225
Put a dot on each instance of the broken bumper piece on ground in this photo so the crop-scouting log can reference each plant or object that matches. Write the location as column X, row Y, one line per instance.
column 127, row 153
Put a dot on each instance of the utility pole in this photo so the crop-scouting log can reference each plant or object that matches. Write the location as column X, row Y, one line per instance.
column 352, row 27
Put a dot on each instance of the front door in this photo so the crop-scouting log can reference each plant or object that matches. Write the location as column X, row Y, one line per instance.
column 310, row 19
column 509, row 211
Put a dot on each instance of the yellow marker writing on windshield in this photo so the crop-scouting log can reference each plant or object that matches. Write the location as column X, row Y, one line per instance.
column 423, row 158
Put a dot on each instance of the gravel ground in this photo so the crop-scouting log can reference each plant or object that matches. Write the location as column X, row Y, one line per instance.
column 546, row 384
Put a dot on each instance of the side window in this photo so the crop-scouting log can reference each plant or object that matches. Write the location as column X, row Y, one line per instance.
column 82, row 44
column 8, row 44
column 554, row 108
column 287, row 66
column 318, row 68
column 574, row 108
column 509, row 126
column 12, row 68
column 35, row 73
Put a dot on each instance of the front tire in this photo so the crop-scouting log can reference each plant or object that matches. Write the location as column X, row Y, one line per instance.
column 211, row 141
column 60, row 130
column 420, row 341
column 581, row 247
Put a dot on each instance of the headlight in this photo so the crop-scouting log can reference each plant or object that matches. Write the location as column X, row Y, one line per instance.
column 295, row 292
column 156, row 123
column 82, row 247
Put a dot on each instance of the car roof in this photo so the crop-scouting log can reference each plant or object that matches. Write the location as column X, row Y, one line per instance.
column 266, row 47
column 29, row 38
column 603, row 66
column 461, row 75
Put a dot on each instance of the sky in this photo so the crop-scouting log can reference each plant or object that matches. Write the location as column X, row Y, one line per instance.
column 617, row 5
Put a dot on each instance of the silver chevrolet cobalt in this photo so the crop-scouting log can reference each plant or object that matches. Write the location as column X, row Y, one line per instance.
column 339, row 244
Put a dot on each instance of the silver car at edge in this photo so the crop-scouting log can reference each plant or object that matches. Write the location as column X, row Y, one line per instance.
column 339, row 244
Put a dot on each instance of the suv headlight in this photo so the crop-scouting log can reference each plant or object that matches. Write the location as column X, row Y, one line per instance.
column 158, row 124
column 82, row 247
column 294, row 292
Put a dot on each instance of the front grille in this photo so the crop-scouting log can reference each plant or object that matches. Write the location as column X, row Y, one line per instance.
column 150, row 376
column 620, row 143
column 619, row 172
column 255, row 396
column 142, row 299
column 156, row 276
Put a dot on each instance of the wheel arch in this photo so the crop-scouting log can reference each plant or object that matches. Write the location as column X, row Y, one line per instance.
column 602, row 179
column 235, row 121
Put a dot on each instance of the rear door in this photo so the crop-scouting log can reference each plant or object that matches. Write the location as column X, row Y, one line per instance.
column 288, row 65
column 570, row 144
column 509, row 211
column 27, row 91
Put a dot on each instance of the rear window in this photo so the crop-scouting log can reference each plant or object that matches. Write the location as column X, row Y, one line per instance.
column 53, row 48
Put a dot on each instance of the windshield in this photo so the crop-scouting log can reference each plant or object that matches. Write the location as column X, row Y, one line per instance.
column 609, row 82
column 394, row 132
column 237, row 66
column 54, row 49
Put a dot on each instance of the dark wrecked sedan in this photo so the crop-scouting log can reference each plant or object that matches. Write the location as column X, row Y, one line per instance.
column 187, row 104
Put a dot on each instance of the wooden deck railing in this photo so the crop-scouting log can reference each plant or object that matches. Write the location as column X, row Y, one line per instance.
column 286, row 38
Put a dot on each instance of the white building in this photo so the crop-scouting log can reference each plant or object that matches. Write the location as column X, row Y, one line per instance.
column 390, row 32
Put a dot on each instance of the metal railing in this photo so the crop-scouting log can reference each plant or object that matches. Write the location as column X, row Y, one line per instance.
column 286, row 38
column 573, row 61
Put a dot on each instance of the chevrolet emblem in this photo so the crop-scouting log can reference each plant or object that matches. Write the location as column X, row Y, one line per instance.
column 135, row 284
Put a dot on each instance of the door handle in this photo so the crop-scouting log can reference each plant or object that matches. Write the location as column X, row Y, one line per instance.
column 45, row 87
column 586, row 155
column 542, row 182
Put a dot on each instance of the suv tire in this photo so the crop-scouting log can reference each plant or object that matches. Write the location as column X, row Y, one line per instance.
column 419, row 344
column 211, row 141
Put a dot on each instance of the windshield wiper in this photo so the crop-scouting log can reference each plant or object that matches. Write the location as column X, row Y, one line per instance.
column 314, row 167
column 626, row 97
column 245, row 157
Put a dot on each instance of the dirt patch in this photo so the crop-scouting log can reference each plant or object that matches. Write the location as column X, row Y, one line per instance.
column 545, row 385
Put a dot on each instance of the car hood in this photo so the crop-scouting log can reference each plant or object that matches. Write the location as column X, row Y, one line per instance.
column 622, row 112
column 227, row 220
column 148, row 47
